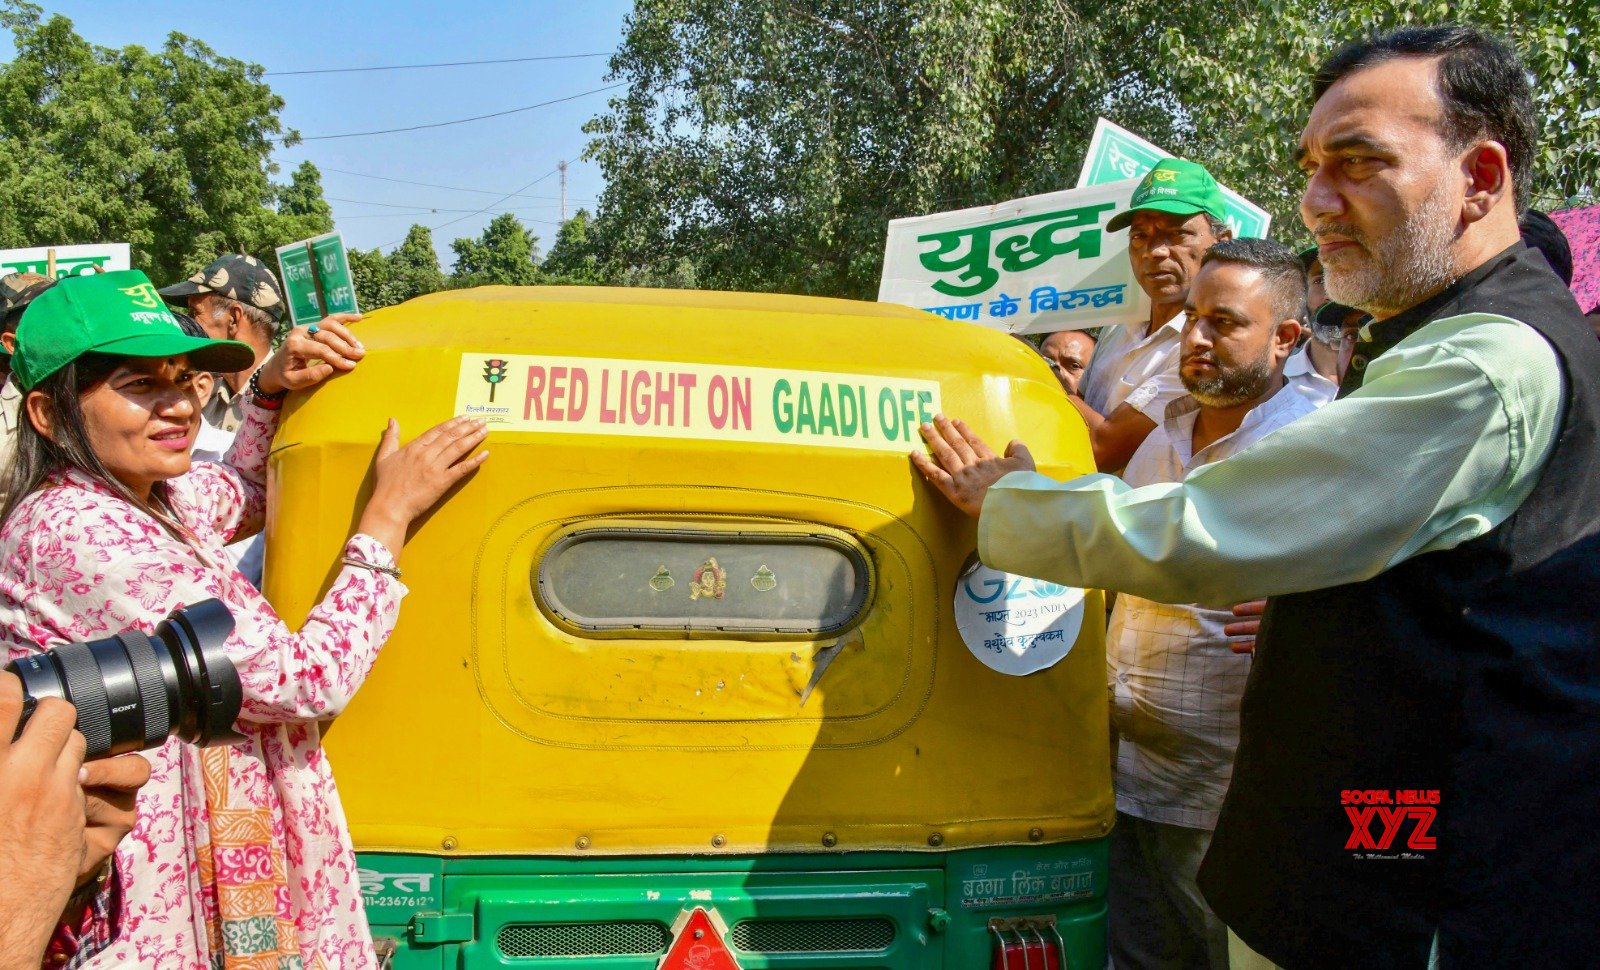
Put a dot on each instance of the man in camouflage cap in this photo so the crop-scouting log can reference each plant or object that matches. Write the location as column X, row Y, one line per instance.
column 234, row 298
column 16, row 292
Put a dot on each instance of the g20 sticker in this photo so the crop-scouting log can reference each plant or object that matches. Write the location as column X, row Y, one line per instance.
column 1016, row 624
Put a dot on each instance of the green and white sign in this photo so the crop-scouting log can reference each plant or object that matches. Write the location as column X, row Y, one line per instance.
column 316, row 278
column 1116, row 154
column 66, row 260
column 1030, row 265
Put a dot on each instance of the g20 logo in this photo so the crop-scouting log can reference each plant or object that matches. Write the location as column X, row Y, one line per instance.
column 1013, row 588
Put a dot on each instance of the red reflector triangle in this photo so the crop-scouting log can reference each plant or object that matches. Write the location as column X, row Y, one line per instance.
column 697, row 944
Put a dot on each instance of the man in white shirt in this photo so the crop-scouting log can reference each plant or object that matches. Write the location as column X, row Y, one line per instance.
column 1175, row 682
column 1175, row 216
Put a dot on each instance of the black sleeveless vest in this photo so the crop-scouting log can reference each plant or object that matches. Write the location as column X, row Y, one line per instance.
column 1473, row 673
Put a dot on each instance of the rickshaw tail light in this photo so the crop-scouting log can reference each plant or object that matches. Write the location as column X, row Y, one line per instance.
column 1027, row 943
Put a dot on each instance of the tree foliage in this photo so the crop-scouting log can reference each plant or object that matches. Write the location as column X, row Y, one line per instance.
column 507, row 253
column 575, row 259
column 410, row 271
column 168, row 150
column 1248, row 85
column 766, row 143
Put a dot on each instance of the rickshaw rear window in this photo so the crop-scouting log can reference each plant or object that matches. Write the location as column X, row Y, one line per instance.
column 728, row 582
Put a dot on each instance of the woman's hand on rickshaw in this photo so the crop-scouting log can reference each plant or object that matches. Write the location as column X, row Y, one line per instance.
column 412, row 478
column 311, row 354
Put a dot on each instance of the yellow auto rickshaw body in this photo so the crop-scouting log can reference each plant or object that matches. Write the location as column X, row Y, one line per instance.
column 697, row 604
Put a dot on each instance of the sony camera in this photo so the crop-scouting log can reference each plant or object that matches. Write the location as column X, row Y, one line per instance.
column 134, row 691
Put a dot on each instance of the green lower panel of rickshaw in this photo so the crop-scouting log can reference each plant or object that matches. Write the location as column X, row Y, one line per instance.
column 857, row 910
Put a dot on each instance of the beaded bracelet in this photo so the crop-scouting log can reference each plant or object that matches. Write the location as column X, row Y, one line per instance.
column 271, row 402
column 386, row 570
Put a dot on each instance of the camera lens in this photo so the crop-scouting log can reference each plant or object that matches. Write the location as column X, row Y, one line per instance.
column 132, row 692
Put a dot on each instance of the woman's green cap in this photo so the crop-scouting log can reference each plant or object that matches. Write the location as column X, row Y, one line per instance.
column 1177, row 186
column 118, row 313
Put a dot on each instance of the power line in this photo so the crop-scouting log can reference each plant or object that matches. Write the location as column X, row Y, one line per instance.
column 462, row 121
column 416, row 215
column 434, row 185
column 413, row 67
column 424, row 206
column 444, row 225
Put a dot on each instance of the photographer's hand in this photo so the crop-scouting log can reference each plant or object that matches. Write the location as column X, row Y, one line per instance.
column 41, row 822
column 110, row 787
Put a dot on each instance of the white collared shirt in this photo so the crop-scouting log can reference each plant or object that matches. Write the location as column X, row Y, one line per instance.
column 1305, row 380
column 1125, row 360
column 1175, row 681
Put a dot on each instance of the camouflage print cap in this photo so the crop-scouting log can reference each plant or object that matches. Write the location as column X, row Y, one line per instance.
column 242, row 278
column 18, row 290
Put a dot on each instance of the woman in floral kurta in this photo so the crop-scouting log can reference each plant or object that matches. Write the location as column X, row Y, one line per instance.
column 258, row 826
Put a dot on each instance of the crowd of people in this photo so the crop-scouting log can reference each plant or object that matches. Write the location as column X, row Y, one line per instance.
column 1383, row 542
column 1348, row 499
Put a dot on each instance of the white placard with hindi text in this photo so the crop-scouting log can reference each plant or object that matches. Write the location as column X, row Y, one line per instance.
column 1030, row 265
column 73, row 260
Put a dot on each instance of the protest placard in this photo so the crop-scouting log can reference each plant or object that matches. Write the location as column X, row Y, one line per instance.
column 1116, row 154
column 69, row 260
column 316, row 287
column 1030, row 265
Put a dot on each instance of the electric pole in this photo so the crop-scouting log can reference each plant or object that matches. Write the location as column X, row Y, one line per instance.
column 562, row 168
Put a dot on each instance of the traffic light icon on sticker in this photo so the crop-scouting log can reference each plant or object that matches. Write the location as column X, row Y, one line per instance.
column 494, row 371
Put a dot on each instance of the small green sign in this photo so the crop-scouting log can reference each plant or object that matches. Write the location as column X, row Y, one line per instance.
column 1116, row 154
column 316, row 287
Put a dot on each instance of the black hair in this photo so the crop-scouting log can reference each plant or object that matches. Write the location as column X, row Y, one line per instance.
column 1541, row 232
column 1280, row 269
column 1482, row 82
column 37, row 457
column 1217, row 226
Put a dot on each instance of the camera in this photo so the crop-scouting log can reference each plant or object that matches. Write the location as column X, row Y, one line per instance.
column 134, row 691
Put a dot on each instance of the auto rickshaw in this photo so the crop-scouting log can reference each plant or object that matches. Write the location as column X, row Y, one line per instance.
column 696, row 671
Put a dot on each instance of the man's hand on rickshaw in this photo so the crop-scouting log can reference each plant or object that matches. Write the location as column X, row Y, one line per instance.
column 1247, row 626
column 963, row 466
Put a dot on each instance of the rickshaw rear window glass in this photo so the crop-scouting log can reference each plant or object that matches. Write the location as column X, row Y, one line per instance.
column 730, row 582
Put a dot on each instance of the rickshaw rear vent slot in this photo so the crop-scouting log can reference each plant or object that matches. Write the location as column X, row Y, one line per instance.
column 582, row 939
column 812, row 935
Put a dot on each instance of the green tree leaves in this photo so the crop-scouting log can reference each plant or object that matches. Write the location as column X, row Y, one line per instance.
column 168, row 150
column 764, row 145
column 505, row 254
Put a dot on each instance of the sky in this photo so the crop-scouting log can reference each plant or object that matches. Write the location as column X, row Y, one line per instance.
column 495, row 157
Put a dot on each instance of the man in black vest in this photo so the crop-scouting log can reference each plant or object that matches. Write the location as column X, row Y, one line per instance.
column 1419, row 764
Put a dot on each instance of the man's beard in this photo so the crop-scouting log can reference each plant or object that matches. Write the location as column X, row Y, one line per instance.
column 1232, row 385
column 1396, row 272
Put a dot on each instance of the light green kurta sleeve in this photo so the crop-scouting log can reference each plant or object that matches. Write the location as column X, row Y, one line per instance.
column 1443, row 441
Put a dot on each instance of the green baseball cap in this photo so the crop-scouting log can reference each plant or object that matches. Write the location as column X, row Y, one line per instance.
column 116, row 313
column 1177, row 186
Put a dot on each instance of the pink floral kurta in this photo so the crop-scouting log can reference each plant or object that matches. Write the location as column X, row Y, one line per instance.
column 79, row 563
